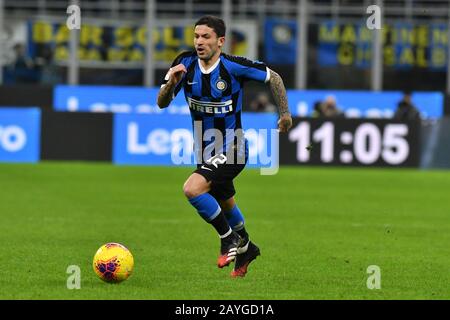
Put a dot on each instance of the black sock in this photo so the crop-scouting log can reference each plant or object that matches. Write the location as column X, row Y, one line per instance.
column 220, row 223
column 244, row 235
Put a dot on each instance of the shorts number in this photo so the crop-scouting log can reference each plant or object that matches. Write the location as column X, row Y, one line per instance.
column 217, row 159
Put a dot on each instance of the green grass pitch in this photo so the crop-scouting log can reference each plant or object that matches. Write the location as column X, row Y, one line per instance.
column 318, row 230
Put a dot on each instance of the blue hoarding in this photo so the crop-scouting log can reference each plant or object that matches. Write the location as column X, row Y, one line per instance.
column 151, row 139
column 20, row 134
column 365, row 104
column 114, row 99
column 140, row 139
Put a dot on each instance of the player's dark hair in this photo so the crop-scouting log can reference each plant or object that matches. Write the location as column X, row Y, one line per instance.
column 215, row 23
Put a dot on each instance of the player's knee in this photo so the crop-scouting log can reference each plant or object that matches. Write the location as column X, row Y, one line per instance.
column 190, row 190
column 228, row 204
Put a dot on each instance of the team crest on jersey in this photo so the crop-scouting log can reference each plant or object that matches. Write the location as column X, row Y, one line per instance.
column 221, row 85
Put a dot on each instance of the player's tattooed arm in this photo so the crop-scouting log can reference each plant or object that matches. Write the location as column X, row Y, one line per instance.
column 166, row 93
column 280, row 97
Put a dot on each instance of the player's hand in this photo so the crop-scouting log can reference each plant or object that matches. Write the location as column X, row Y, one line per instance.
column 176, row 73
column 285, row 123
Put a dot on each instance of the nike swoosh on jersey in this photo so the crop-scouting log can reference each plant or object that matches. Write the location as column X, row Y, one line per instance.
column 191, row 83
column 206, row 168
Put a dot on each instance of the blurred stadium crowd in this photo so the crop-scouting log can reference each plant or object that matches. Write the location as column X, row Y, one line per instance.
column 338, row 54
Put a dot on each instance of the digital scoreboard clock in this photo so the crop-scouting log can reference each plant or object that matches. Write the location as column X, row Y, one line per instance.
column 361, row 142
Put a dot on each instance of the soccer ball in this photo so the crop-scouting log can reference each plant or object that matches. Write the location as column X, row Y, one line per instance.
column 113, row 262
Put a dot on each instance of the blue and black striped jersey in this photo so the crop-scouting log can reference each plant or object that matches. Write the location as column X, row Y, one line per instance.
column 214, row 97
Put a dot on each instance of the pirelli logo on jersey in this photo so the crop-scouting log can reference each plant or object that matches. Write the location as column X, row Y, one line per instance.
column 211, row 107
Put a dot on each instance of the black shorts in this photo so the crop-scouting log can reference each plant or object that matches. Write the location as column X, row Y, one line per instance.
column 221, row 176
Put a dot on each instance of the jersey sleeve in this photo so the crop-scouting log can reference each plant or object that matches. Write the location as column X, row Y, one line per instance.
column 249, row 70
column 183, row 58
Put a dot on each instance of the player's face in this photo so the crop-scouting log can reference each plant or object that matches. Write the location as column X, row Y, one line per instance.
column 206, row 42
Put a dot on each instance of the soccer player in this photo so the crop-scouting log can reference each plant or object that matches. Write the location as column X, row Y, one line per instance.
column 213, row 83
